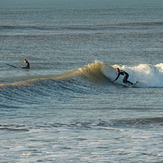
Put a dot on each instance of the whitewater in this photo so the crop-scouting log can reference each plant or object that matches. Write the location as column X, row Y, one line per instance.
column 66, row 108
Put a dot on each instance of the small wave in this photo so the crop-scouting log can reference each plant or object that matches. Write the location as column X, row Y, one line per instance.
column 8, row 106
column 79, row 27
column 139, row 123
column 109, row 125
column 100, row 124
column 17, row 128
column 142, row 23
column 7, row 27
column 49, row 28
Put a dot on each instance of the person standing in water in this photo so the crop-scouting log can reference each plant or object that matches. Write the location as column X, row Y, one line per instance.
column 27, row 64
column 125, row 74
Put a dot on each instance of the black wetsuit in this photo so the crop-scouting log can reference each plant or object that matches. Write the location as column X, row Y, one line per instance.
column 27, row 65
column 125, row 74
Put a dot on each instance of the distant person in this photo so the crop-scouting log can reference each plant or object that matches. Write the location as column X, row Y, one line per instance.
column 27, row 64
column 125, row 74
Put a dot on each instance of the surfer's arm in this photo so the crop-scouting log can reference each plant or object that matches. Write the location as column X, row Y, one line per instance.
column 116, row 77
column 25, row 67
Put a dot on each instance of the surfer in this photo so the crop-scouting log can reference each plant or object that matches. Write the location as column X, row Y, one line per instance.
column 27, row 64
column 125, row 74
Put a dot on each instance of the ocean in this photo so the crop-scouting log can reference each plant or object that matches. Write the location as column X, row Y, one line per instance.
column 65, row 108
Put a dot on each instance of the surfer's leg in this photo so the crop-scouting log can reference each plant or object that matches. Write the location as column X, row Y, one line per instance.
column 129, row 82
column 125, row 79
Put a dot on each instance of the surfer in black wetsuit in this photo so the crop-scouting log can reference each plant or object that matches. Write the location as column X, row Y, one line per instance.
column 27, row 64
column 125, row 74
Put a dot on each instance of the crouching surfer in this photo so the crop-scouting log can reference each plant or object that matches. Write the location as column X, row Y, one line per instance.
column 27, row 64
column 125, row 74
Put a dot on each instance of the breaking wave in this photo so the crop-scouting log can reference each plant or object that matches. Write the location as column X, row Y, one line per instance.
column 78, row 27
column 148, row 75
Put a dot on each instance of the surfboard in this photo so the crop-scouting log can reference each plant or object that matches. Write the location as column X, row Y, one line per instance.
column 134, row 84
column 11, row 65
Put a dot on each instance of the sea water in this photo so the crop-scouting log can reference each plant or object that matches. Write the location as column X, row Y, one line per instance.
column 64, row 109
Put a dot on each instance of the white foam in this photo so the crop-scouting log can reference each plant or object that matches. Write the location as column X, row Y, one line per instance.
column 148, row 75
